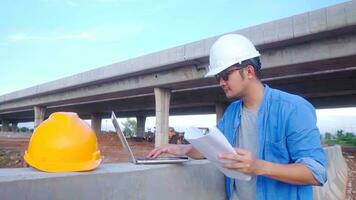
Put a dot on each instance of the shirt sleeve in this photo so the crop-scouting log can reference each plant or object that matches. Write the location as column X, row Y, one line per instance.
column 318, row 170
column 220, row 125
column 221, row 122
column 303, row 140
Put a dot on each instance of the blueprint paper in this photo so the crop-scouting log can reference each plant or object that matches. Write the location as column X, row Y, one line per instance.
column 211, row 143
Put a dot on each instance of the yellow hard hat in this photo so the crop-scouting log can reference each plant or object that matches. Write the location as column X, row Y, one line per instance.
column 63, row 143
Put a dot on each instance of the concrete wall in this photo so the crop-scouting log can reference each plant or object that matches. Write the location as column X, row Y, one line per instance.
column 335, row 187
column 192, row 180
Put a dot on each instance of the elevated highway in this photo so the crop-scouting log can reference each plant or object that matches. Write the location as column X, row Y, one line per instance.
column 312, row 54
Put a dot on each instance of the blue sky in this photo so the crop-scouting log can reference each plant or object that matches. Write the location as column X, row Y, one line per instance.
column 44, row 40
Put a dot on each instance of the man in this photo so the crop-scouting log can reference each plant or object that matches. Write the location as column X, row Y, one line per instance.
column 275, row 133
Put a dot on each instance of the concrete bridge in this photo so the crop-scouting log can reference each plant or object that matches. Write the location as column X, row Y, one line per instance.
column 312, row 54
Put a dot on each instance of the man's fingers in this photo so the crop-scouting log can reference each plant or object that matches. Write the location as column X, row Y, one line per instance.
column 241, row 151
column 159, row 152
column 171, row 149
column 229, row 156
column 154, row 153
column 150, row 153
column 235, row 166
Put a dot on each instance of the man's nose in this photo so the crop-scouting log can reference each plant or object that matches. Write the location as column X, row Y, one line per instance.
column 222, row 82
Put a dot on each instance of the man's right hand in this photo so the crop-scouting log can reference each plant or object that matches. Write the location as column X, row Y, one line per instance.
column 175, row 149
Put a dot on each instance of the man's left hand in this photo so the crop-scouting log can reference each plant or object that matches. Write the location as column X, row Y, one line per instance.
column 243, row 161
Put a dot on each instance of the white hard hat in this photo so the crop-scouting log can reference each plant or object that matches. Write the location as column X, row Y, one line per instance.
column 228, row 50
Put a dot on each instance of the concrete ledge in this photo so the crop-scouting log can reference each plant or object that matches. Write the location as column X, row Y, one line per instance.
column 192, row 180
column 197, row 179
column 337, row 170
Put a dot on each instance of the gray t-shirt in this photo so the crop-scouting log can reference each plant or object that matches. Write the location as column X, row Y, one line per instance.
column 248, row 140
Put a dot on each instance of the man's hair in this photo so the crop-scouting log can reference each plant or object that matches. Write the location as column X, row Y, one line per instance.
column 255, row 63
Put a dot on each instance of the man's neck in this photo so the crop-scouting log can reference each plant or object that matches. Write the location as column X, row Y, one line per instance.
column 253, row 95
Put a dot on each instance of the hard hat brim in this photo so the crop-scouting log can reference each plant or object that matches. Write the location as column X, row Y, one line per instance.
column 62, row 167
column 215, row 71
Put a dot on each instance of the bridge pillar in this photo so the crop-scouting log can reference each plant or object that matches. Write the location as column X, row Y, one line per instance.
column 14, row 126
column 5, row 125
column 219, row 110
column 96, row 122
column 141, row 120
column 39, row 115
column 162, row 98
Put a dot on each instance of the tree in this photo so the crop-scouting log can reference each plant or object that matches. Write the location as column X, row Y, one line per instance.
column 24, row 129
column 130, row 127
column 328, row 136
column 340, row 134
column 342, row 138
column 349, row 136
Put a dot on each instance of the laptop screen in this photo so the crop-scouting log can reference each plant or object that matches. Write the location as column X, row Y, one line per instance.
column 125, row 144
column 122, row 137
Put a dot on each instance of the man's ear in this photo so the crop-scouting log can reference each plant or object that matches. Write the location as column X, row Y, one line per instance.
column 250, row 71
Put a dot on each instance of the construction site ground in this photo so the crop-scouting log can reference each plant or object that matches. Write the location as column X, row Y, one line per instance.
column 12, row 150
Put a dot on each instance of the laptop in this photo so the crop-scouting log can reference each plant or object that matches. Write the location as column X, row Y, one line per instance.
column 133, row 159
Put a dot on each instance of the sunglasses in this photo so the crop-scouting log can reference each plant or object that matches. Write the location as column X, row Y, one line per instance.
column 225, row 74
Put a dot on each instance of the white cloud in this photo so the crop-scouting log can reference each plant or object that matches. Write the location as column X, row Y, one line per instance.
column 331, row 120
column 116, row 32
column 116, row 1
column 99, row 33
column 75, row 3
column 72, row 3
column 78, row 36
column 105, row 1
column 337, row 112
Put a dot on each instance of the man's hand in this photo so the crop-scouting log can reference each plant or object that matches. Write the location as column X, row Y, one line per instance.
column 175, row 149
column 243, row 161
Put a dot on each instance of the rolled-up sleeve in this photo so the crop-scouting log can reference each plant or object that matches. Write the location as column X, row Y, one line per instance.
column 303, row 139
column 318, row 170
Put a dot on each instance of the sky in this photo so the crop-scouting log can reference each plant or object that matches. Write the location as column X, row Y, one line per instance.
column 328, row 120
column 44, row 40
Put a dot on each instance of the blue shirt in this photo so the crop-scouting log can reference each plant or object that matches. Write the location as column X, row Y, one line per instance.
column 287, row 133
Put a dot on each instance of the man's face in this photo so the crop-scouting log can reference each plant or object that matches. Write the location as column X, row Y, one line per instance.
column 232, row 82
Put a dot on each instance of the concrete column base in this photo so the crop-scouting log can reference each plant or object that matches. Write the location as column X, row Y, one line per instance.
column 162, row 97
column 14, row 126
column 39, row 115
column 141, row 121
column 5, row 125
column 96, row 122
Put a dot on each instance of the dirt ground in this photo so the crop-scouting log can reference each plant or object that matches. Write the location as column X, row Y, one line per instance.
column 12, row 151
column 350, row 156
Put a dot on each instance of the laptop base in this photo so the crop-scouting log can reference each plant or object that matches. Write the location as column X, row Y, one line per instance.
column 162, row 160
